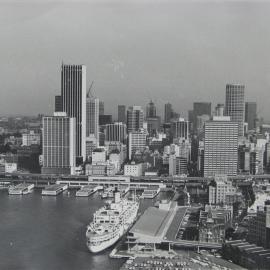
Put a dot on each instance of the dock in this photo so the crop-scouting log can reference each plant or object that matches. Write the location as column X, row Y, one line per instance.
column 150, row 192
column 20, row 189
column 88, row 190
column 54, row 190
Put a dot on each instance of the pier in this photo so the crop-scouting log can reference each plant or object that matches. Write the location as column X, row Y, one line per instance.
column 20, row 189
column 88, row 190
column 54, row 190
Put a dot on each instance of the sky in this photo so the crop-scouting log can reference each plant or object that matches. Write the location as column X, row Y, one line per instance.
column 175, row 51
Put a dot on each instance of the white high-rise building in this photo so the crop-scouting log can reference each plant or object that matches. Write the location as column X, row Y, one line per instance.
column 217, row 193
column 220, row 147
column 235, row 105
column 59, row 144
column 73, row 92
column 136, row 142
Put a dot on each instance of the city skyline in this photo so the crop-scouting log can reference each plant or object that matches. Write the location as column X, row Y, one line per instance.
column 181, row 77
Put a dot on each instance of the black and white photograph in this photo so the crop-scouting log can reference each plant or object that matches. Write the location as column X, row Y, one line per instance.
column 134, row 134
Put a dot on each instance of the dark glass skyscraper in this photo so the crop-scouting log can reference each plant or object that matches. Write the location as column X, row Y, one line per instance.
column 122, row 113
column 58, row 107
column 235, row 105
column 168, row 111
column 200, row 108
column 251, row 114
column 73, row 92
column 134, row 118
column 151, row 110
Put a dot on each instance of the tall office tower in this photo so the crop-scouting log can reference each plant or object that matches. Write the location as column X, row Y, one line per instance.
column 58, row 107
column 151, row 110
column 59, row 144
column 251, row 114
column 235, row 105
column 219, row 110
column 101, row 107
column 73, row 92
column 220, row 147
column 180, row 128
column 136, row 142
column 92, row 117
column 153, row 125
column 190, row 120
column 116, row 132
column 168, row 111
column 200, row 108
column 134, row 118
column 122, row 113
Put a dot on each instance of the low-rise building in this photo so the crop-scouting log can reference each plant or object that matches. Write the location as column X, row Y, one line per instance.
column 213, row 223
column 259, row 227
column 134, row 169
column 219, row 189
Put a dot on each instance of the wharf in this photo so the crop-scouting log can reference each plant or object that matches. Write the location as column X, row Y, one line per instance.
column 88, row 190
column 54, row 190
column 20, row 189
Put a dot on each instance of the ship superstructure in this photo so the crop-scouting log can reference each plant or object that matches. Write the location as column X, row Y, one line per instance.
column 111, row 222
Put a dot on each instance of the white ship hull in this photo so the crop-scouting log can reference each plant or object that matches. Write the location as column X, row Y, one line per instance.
column 110, row 223
column 104, row 245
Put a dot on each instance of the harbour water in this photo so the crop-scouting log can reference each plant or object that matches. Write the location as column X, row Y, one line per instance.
column 40, row 233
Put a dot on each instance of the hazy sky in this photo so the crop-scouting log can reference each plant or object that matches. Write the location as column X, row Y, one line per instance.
column 169, row 51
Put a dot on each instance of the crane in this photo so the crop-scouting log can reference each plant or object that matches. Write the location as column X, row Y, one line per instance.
column 89, row 90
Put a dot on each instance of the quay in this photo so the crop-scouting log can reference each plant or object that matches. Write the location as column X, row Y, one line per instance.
column 54, row 190
column 151, row 192
column 20, row 189
column 87, row 190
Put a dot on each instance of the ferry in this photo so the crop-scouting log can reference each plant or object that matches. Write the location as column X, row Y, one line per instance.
column 111, row 222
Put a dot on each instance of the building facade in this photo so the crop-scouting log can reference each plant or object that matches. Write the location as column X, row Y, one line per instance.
column 134, row 118
column 136, row 142
column 220, row 147
column 122, row 113
column 235, row 105
column 116, row 132
column 251, row 114
column 73, row 92
column 59, row 144
column 92, row 117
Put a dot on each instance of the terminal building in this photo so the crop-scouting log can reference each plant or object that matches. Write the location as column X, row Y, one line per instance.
column 157, row 226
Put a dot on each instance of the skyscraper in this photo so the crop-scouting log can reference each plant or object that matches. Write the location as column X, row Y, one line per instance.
column 251, row 114
column 235, row 105
column 122, row 113
column 92, row 117
column 134, row 118
column 58, row 107
column 180, row 128
column 58, row 144
column 116, row 132
column 200, row 108
column 151, row 110
column 136, row 142
column 101, row 107
column 220, row 147
column 73, row 92
column 168, row 111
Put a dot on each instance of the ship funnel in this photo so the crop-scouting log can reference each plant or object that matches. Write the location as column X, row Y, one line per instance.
column 117, row 196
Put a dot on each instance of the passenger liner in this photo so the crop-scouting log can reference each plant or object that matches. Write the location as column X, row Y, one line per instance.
column 111, row 222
